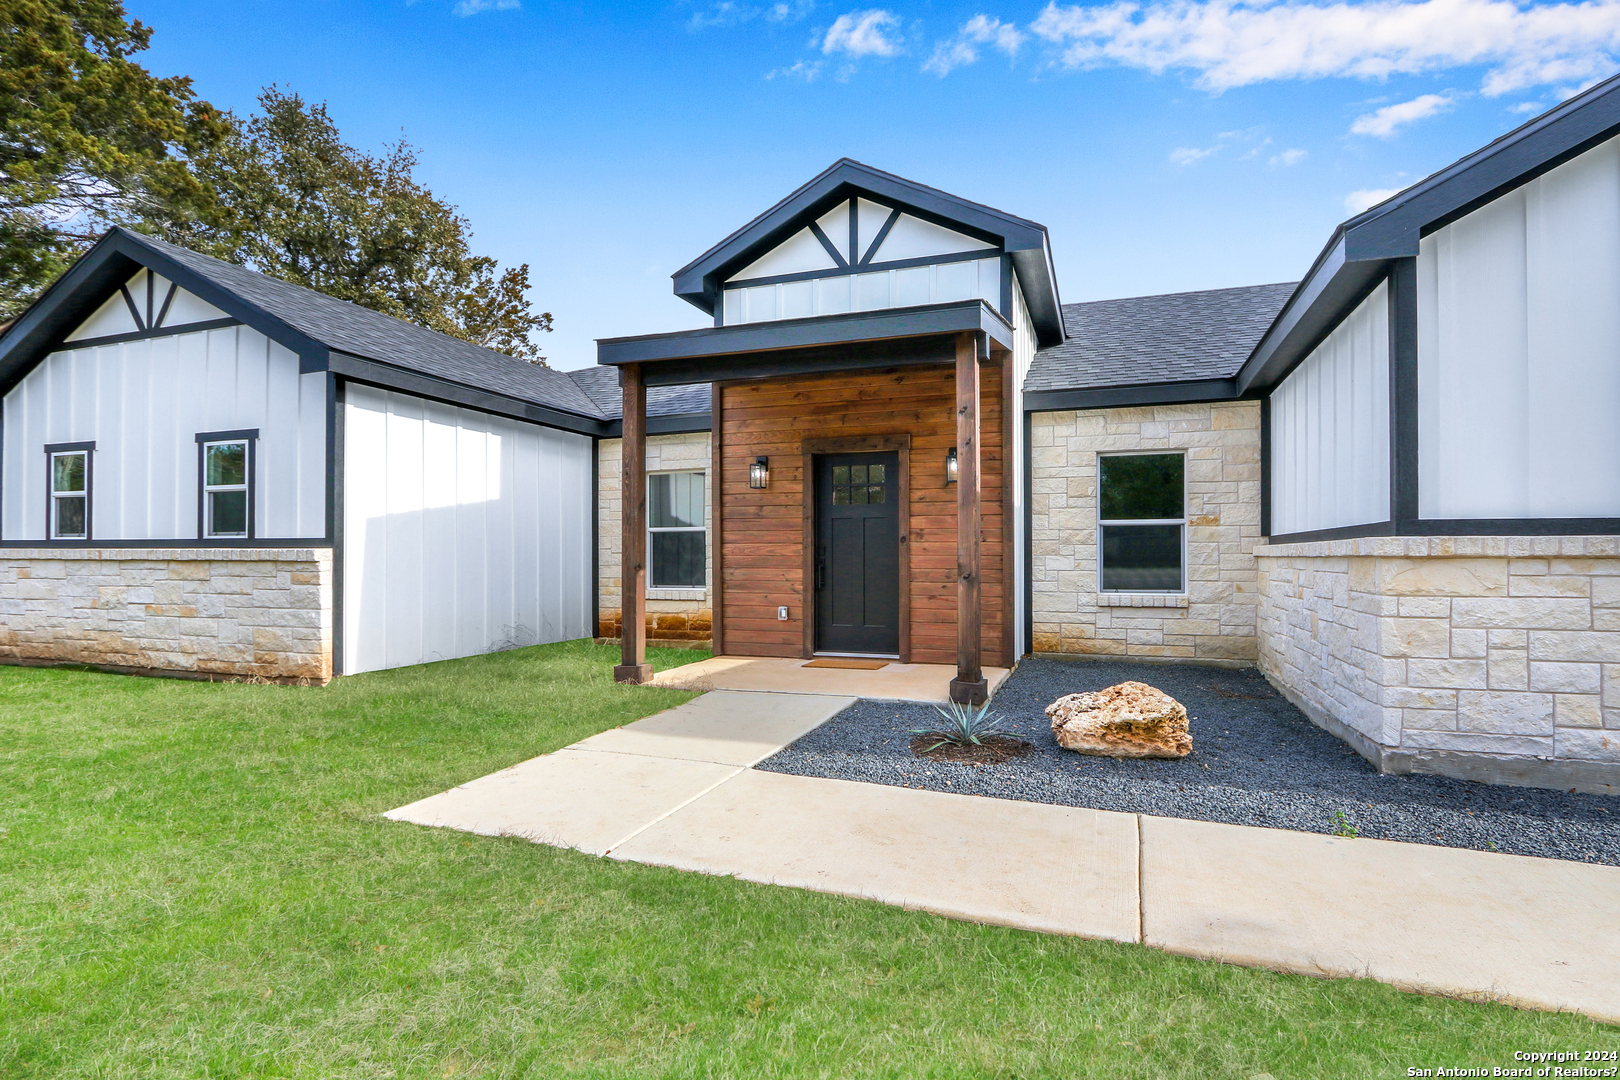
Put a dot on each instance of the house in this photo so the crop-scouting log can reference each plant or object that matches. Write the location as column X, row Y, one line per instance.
column 1392, row 485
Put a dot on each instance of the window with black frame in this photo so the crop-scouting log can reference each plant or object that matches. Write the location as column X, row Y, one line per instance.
column 1142, row 521
column 70, row 492
column 225, row 489
column 676, row 534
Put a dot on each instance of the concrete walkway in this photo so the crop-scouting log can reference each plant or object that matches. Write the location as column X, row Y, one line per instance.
column 677, row 790
column 769, row 674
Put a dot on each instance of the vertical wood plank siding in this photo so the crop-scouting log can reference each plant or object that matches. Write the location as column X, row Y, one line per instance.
column 762, row 532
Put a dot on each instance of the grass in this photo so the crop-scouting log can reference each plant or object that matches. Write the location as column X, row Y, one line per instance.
column 195, row 882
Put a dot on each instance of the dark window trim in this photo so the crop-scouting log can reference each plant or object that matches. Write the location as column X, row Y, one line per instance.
column 1101, row 522
column 845, row 270
column 1460, row 527
column 704, row 528
column 251, row 437
column 89, row 450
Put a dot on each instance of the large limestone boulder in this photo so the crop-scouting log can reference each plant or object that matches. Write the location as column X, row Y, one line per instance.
column 1131, row 720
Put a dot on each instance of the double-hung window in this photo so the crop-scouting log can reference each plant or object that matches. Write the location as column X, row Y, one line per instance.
column 225, row 462
column 1142, row 522
column 675, row 531
column 69, row 478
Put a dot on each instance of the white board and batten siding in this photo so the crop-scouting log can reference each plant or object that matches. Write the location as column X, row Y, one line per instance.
column 874, row 290
column 143, row 403
column 1023, row 357
column 464, row 532
column 1330, row 428
column 1519, row 351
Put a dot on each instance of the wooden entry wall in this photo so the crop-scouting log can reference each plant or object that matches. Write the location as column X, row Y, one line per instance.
column 760, row 542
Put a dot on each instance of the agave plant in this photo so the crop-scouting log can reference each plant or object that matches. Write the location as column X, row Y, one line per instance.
column 965, row 725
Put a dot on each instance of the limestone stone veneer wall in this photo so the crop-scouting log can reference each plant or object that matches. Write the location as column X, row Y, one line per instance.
column 1215, row 618
column 203, row 612
column 1488, row 658
column 672, row 614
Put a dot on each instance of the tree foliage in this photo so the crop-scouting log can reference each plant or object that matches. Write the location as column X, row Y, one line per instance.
column 86, row 136
column 293, row 200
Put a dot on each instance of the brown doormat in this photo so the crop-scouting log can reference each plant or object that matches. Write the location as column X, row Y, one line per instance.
column 840, row 662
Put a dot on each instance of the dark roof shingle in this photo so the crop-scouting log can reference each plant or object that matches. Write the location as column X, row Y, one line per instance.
column 601, row 383
column 1173, row 337
column 372, row 335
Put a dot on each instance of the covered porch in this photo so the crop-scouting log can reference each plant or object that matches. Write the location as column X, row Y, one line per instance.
column 862, row 489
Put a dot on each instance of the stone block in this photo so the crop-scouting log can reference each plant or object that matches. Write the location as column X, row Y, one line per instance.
column 1508, row 639
column 1566, row 678
column 1468, row 644
column 1413, row 697
column 1505, row 713
column 1429, row 719
column 1606, row 592
column 1588, row 744
column 1442, row 577
column 1457, row 674
column 1414, row 637
column 1478, row 743
column 1509, row 669
column 1583, row 646
column 1578, row 710
column 189, row 570
column 1424, row 607
column 1522, row 613
column 1549, row 585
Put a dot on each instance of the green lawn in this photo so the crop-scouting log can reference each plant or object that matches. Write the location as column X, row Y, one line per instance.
column 195, row 882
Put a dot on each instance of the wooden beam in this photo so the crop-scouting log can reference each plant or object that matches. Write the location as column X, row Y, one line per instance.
column 969, row 686
column 1009, row 462
column 633, row 666
column 717, row 518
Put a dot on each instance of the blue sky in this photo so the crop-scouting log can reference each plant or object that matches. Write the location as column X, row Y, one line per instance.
column 1167, row 144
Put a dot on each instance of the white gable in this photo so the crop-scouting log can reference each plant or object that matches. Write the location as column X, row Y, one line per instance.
column 110, row 318
column 914, row 238
column 801, row 252
column 870, row 217
column 835, row 223
column 159, row 303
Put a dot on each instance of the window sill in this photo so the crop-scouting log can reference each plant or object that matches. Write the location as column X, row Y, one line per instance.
column 1160, row 600
column 678, row 594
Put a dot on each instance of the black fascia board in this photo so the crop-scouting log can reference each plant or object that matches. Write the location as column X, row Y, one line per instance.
column 389, row 377
column 1188, row 392
column 1362, row 249
column 699, row 281
column 814, row 360
column 671, row 424
column 95, row 276
column 730, row 344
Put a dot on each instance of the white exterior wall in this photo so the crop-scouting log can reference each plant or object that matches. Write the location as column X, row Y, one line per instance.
column 1519, row 351
column 464, row 532
column 143, row 403
column 1330, row 428
column 938, row 283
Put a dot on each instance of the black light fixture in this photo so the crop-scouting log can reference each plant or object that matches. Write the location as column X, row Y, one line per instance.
column 950, row 466
column 759, row 473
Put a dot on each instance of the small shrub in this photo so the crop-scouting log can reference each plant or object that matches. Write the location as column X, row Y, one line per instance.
column 1342, row 826
column 965, row 725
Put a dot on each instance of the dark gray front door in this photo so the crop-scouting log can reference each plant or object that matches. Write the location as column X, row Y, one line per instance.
column 858, row 553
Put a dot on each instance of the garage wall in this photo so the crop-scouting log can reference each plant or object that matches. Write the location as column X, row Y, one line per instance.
column 464, row 532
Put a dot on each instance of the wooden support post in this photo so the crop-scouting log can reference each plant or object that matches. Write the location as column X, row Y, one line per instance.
column 633, row 666
column 969, row 686
column 717, row 527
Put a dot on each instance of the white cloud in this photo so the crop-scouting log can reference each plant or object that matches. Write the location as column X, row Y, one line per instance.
column 1357, row 201
column 1383, row 122
column 1526, row 107
column 474, row 7
column 1230, row 43
column 790, row 12
column 962, row 49
column 730, row 13
column 801, row 70
column 1188, row 155
column 863, row 33
column 1288, row 157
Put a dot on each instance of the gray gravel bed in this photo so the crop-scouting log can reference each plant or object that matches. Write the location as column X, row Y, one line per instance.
column 1256, row 760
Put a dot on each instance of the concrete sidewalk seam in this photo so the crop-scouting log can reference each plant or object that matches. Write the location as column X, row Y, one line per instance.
column 610, row 849
column 1141, row 887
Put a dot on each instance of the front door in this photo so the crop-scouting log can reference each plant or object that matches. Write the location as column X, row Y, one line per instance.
column 858, row 553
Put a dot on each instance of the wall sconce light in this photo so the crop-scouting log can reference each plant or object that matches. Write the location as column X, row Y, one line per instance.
column 950, row 466
column 759, row 473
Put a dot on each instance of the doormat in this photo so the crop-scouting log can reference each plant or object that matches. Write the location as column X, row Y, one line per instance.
column 839, row 662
